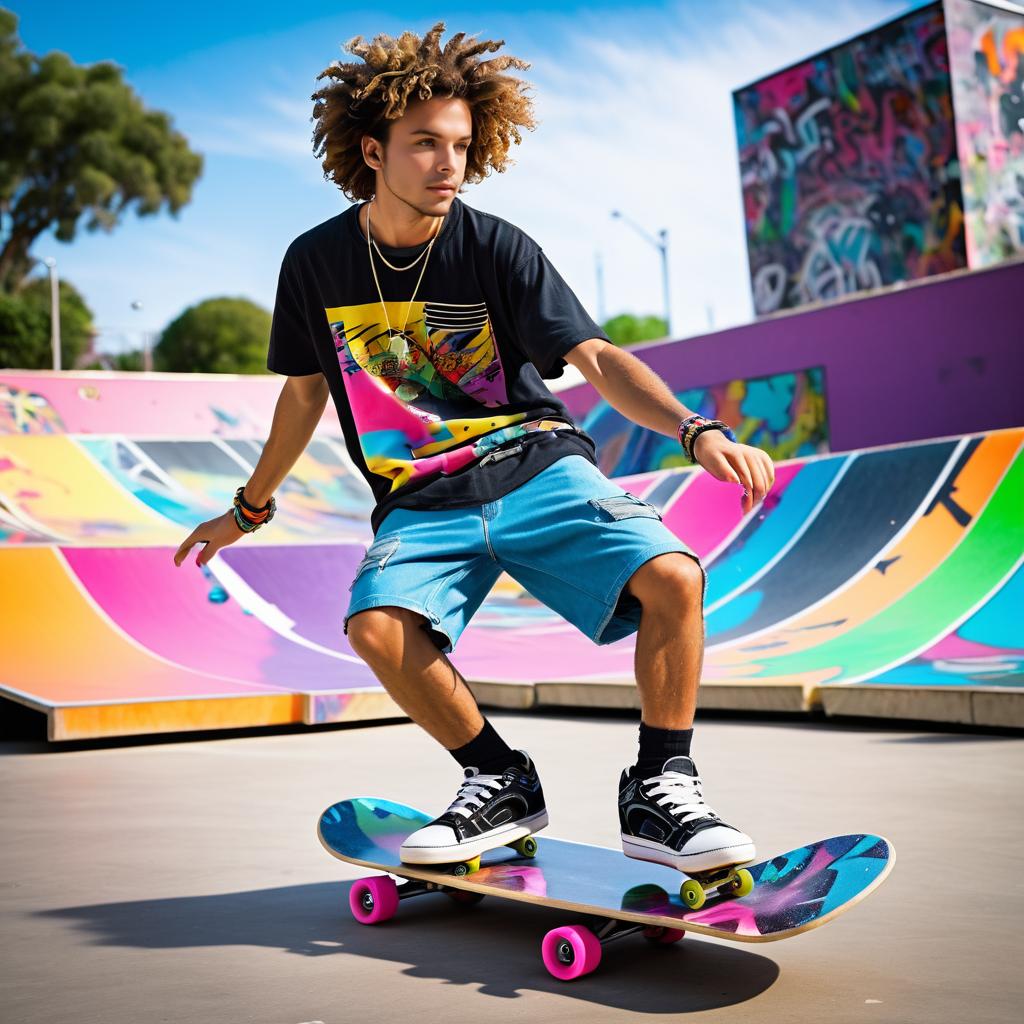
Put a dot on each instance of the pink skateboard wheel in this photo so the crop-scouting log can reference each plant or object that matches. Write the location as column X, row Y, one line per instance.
column 570, row 952
column 373, row 900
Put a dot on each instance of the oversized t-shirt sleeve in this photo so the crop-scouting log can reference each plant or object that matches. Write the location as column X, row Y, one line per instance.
column 548, row 319
column 291, row 350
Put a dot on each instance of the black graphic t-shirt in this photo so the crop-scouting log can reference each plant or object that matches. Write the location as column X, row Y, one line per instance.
column 426, row 389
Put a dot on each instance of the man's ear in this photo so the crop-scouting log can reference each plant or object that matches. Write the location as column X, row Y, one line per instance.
column 371, row 155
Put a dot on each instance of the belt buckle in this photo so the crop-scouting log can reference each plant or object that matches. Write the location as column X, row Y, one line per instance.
column 501, row 453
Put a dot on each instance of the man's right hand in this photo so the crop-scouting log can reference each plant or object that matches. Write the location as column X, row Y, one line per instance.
column 216, row 534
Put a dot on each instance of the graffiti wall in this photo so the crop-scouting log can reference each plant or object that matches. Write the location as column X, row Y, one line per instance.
column 986, row 49
column 784, row 414
column 849, row 167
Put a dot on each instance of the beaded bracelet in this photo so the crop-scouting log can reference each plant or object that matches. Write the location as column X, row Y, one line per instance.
column 249, row 518
column 693, row 426
column 684, row 426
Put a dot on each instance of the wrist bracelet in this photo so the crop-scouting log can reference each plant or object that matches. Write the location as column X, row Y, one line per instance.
column 693, row 426
column 240, row 494
column 710, row 425
column 240, row 522
column 684, row 426
column 248, row 518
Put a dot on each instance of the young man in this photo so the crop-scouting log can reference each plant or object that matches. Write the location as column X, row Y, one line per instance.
column 432, row 325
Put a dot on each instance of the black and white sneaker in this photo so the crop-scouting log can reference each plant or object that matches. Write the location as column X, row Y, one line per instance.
column 488, row 811
column 664, row 819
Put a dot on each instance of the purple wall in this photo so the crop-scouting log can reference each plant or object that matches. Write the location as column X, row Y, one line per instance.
column 940, row 357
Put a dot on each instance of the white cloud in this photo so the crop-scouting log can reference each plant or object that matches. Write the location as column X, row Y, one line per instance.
column 267, row 131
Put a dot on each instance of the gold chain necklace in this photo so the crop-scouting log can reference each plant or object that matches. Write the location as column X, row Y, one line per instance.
column 426, row 252
column 384, row 259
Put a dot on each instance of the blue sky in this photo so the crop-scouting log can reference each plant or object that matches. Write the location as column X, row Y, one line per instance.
column 634, row 109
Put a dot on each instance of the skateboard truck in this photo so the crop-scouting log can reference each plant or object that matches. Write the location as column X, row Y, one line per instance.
column 376, row 899
column 525, row 847
column 729, row 883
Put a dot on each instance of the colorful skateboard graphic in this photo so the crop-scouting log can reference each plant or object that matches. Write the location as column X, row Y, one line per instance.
column 792, row 893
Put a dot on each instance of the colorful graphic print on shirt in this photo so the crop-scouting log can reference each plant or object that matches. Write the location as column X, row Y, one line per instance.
column 445, row 360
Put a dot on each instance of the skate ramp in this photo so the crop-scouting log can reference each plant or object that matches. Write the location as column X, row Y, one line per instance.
column 883, row 581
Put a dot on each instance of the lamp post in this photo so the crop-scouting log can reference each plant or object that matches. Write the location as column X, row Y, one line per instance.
column 54, row 311
column 661, row 244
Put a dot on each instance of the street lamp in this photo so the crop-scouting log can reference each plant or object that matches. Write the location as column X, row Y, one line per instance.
column 661, row 244
column 54, row 311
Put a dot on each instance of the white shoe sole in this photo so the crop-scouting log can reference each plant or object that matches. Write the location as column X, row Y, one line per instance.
column 709, row 860
column 473, row 847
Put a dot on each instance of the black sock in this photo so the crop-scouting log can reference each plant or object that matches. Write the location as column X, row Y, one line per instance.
column 486, row 751
column 657, row 746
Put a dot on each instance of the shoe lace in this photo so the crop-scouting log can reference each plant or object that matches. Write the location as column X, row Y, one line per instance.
column 680, row 795
column 474, row 793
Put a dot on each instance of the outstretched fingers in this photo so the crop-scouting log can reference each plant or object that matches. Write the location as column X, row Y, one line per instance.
column 195, row 537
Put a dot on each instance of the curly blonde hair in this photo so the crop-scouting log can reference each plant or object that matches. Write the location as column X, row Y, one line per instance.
column 363, row 98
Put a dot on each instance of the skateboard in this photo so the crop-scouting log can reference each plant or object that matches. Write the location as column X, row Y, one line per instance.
column 789, row 894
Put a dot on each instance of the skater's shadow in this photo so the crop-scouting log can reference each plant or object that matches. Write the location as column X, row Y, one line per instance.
column 493, row 946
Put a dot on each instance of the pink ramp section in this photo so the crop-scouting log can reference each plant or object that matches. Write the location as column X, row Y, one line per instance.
column 169, row 610
column 706, row 513
column 151, row 404
column 953, row 647
column 58, row 648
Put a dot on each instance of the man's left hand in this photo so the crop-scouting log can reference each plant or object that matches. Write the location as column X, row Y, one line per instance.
column 737, row 463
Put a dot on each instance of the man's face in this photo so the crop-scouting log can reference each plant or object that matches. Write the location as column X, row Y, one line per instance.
column 427, row 148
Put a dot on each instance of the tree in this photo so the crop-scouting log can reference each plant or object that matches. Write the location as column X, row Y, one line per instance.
column 132, row 360
column 628, row 329
column 25, row 326
column 20, row 331
column 77, row 140
column 216, row 336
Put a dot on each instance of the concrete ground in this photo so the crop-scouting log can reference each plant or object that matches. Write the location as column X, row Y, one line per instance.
column 167, row 881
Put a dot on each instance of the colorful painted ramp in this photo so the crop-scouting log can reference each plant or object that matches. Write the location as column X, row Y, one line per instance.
column 884, row 581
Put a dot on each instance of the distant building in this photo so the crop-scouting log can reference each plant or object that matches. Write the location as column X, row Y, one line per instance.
column 890, row 157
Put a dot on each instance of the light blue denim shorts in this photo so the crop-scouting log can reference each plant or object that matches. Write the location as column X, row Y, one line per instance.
column 569, row 536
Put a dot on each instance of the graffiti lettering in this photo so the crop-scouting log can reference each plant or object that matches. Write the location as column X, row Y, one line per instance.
column 849, row 167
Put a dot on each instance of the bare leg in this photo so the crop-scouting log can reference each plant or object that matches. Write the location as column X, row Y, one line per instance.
column 670, row 641
column 417, row 676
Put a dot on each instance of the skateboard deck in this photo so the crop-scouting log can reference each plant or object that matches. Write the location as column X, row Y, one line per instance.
column 793, row 892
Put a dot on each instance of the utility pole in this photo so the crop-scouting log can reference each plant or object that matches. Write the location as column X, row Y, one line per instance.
column 54, row 311
column 661, row 244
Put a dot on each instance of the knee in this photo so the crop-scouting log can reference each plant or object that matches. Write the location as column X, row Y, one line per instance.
column 377, row 633
column 667, row 580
